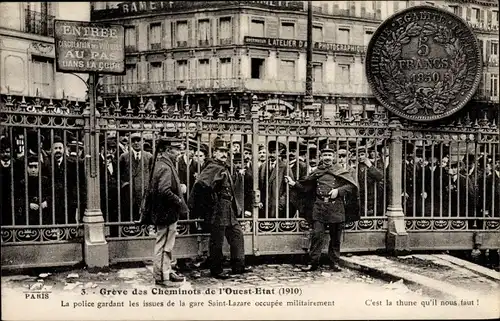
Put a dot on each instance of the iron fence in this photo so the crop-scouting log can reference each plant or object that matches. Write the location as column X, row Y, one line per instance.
column 46, row 209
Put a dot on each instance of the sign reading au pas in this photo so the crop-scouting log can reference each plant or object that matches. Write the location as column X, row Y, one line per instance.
column 89, row 47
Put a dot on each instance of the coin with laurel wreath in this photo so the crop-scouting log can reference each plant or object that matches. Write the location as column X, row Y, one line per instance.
column 423, row 63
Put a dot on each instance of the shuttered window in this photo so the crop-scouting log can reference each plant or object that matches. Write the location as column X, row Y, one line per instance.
column 368, row 36
column 181, row 72
column 155, row 36
column 225, row 68
column 225, row 30
column 204, row 32
column 344, row 74
column 344, row 36
column 43, row 76
column 318, row 72
column 494, row 85
column 155, row 72
column 317, row 34
column 130, row 38
column 287, row 30
column 257, row 28
column 203, row 69
column 287, row 70
column 182, row 34
column 130, row 74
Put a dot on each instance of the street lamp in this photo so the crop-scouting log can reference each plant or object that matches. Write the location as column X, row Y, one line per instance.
column 308, row 99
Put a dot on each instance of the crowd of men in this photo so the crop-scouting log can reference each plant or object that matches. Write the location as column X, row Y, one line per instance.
column 43, row 186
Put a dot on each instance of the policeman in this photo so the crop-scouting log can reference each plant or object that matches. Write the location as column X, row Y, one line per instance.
column 332, row 192
column 213, row 198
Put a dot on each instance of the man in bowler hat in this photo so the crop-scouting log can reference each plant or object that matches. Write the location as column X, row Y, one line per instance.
column 163, row 207
column 213, row 198
column 331, row 194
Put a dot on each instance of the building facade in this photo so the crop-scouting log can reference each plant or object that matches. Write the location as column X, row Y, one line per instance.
column 218, row 54
column 27, row 50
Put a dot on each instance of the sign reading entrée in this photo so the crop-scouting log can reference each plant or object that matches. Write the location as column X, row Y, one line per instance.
column 89, row 47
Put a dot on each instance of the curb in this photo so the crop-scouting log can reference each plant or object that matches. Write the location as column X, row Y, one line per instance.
column 485, row 272
column 430, row 287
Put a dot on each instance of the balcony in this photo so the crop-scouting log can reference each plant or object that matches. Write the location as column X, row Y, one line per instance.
column 483, row 27
column 204, row 43
column 182, row 44
column 155, row 46
column 171, row 86
column 491, row 61
column 39, row 23
column 234, row 84
column 484, row 94
column 226, row 41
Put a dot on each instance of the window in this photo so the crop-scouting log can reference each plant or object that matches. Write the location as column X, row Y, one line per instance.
column 317, row 34
column 43, row 76
column 182, row 34
column 155, row 36
column 130, row 76
column 257, row 68
column 368, row 36
column 494, row 48
column 226, row 70
column 204, row 32
column 203, row 71
column 495, row 17
column 257, row 28
column 494, row 85
column 476, row 15
column 454, row 9
column 130, row 38
column 396, row 6
column 155, row 72
column 181, row 72
column 344, row 73
column 225, row 31
column 287, row 30
column 318, row 72
column 287, row 70
column 343, row 36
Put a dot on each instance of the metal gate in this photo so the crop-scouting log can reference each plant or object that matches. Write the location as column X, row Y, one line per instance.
column 399, row 210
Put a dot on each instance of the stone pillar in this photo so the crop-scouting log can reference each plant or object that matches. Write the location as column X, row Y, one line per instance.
column 95, row 249
column 397, row 237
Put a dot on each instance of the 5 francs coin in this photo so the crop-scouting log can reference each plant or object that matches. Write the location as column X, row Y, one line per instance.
column 423, row 63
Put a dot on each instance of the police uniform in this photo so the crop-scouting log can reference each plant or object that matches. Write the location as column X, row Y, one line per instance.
column 326, row 211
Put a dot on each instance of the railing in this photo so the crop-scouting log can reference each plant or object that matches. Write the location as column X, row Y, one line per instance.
column 481, row 26
column 266, row 85
column 39, row 23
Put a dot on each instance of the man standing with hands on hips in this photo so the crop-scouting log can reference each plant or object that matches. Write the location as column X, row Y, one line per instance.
column 330, row 193
column 163, row 206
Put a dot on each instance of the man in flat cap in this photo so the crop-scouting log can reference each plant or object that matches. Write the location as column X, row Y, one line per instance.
column 213, row 198
column 164, row 206
column 108, row 166
column 135, row 167
column 331, row 194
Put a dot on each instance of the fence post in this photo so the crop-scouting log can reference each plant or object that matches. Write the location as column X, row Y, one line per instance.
column 95, row 249
column 397, row 238
column 255, row 172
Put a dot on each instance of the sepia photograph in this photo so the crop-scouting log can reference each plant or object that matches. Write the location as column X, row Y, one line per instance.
column 249, row 160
